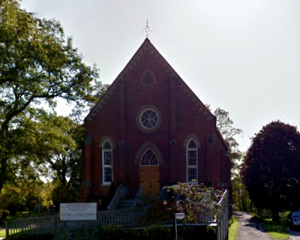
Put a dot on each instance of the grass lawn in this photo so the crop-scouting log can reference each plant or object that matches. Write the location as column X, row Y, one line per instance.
column 277, row 230
column 233, row 228
column 2, row 233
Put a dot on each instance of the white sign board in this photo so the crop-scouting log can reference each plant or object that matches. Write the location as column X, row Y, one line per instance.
column 179, row 215
column 78, row 211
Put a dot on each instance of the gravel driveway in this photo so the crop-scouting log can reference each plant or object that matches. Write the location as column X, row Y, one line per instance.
column 250, row 229
column 295, row 235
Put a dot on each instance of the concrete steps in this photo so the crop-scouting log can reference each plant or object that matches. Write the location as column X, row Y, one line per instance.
column 125, row 203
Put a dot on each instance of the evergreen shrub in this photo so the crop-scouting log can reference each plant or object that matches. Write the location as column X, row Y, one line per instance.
column 156, row 232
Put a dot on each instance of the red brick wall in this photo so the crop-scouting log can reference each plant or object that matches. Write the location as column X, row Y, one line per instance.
column 181, row 115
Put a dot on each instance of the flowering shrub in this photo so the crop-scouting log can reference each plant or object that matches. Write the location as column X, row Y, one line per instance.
column 192, row 199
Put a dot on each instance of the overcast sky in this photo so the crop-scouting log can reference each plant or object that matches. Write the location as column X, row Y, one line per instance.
column 242, row 56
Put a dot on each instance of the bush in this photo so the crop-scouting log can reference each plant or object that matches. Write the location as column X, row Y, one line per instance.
column 208, row 233
column 114, row 232
column 156, row 232
column 3, row 215
column 96, row 234
column 133, row 234
column 30, row 236
column 62, row 234
column 82, row 234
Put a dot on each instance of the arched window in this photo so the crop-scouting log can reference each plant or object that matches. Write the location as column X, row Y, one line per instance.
column 149, row 118
column 149, row 158
column 192, row 162
column 107, row 162
column 148, row 78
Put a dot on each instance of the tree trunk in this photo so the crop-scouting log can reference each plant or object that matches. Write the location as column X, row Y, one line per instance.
column 3, row 169
column 275, row 216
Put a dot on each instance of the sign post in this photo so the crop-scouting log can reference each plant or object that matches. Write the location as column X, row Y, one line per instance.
column 178, row 216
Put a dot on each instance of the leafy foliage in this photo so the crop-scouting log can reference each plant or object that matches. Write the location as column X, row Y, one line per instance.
column 240, row 196
column 225, row 126
column 62, row 194
column 38, row 66
column 193, row 200
column 154, row 232
column 113, row 231
column 229, row 132
column 22, row 196
column 62, row 234
column 271, row 170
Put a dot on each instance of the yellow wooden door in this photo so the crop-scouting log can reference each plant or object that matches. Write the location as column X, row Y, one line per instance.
column 149, row 179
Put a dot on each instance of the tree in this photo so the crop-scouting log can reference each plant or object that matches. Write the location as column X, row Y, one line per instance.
column 271, row 171
column 59, row 144
column 225, row 126
column 38, row 66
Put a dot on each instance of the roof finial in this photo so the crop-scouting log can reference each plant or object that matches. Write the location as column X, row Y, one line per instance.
column 147, row 29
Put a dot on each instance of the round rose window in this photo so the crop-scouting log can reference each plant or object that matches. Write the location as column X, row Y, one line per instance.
column 149, row 118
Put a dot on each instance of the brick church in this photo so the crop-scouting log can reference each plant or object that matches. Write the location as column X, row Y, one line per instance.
column 150, row 130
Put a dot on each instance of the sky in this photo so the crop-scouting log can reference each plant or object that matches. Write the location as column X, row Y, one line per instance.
column 240, row 55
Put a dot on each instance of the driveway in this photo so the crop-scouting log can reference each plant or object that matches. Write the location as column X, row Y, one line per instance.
column 295, row 235
column 253, row 230
column 250, row 229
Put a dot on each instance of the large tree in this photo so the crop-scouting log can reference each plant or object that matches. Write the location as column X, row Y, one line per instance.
column 229, row 132
column 38, row 66
column 271, row 171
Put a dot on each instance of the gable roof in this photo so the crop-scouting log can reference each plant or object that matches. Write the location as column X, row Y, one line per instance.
column 148, row 46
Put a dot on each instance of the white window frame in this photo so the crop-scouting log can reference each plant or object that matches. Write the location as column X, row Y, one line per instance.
column 191, row 166
column 147, row 119
column 153, row 152
column 107, row 166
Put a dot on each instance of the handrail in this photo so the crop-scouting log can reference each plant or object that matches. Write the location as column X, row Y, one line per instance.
column 121, row 192
column 114, row 202
column 137, row 196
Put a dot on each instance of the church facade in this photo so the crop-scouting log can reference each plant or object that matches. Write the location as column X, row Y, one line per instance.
column 150, row 130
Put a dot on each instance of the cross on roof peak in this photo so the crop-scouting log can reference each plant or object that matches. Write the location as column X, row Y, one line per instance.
column 147, row 29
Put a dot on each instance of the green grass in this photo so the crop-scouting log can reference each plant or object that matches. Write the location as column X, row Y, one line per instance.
column 233, row 228
column 276, row 230
column 2, row 233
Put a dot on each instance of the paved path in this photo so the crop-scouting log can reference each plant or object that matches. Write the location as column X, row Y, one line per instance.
column 250, row 229
column 295, row 235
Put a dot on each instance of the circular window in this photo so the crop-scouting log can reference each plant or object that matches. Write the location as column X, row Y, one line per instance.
column 149, row 118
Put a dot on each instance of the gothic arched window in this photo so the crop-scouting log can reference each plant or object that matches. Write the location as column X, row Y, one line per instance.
column 148, row 78
column 192, row 161
column 149, row 158
column 107, row 162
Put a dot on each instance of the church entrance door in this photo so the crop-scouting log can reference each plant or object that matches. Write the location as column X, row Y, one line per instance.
column 149, row 172
column 149, row 179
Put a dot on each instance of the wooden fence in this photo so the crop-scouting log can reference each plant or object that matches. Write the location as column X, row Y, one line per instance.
column 222, row 218
column 51, row 224
column 126, row 217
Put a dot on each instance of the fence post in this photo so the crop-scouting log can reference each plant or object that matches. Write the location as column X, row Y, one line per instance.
column 6, row 228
